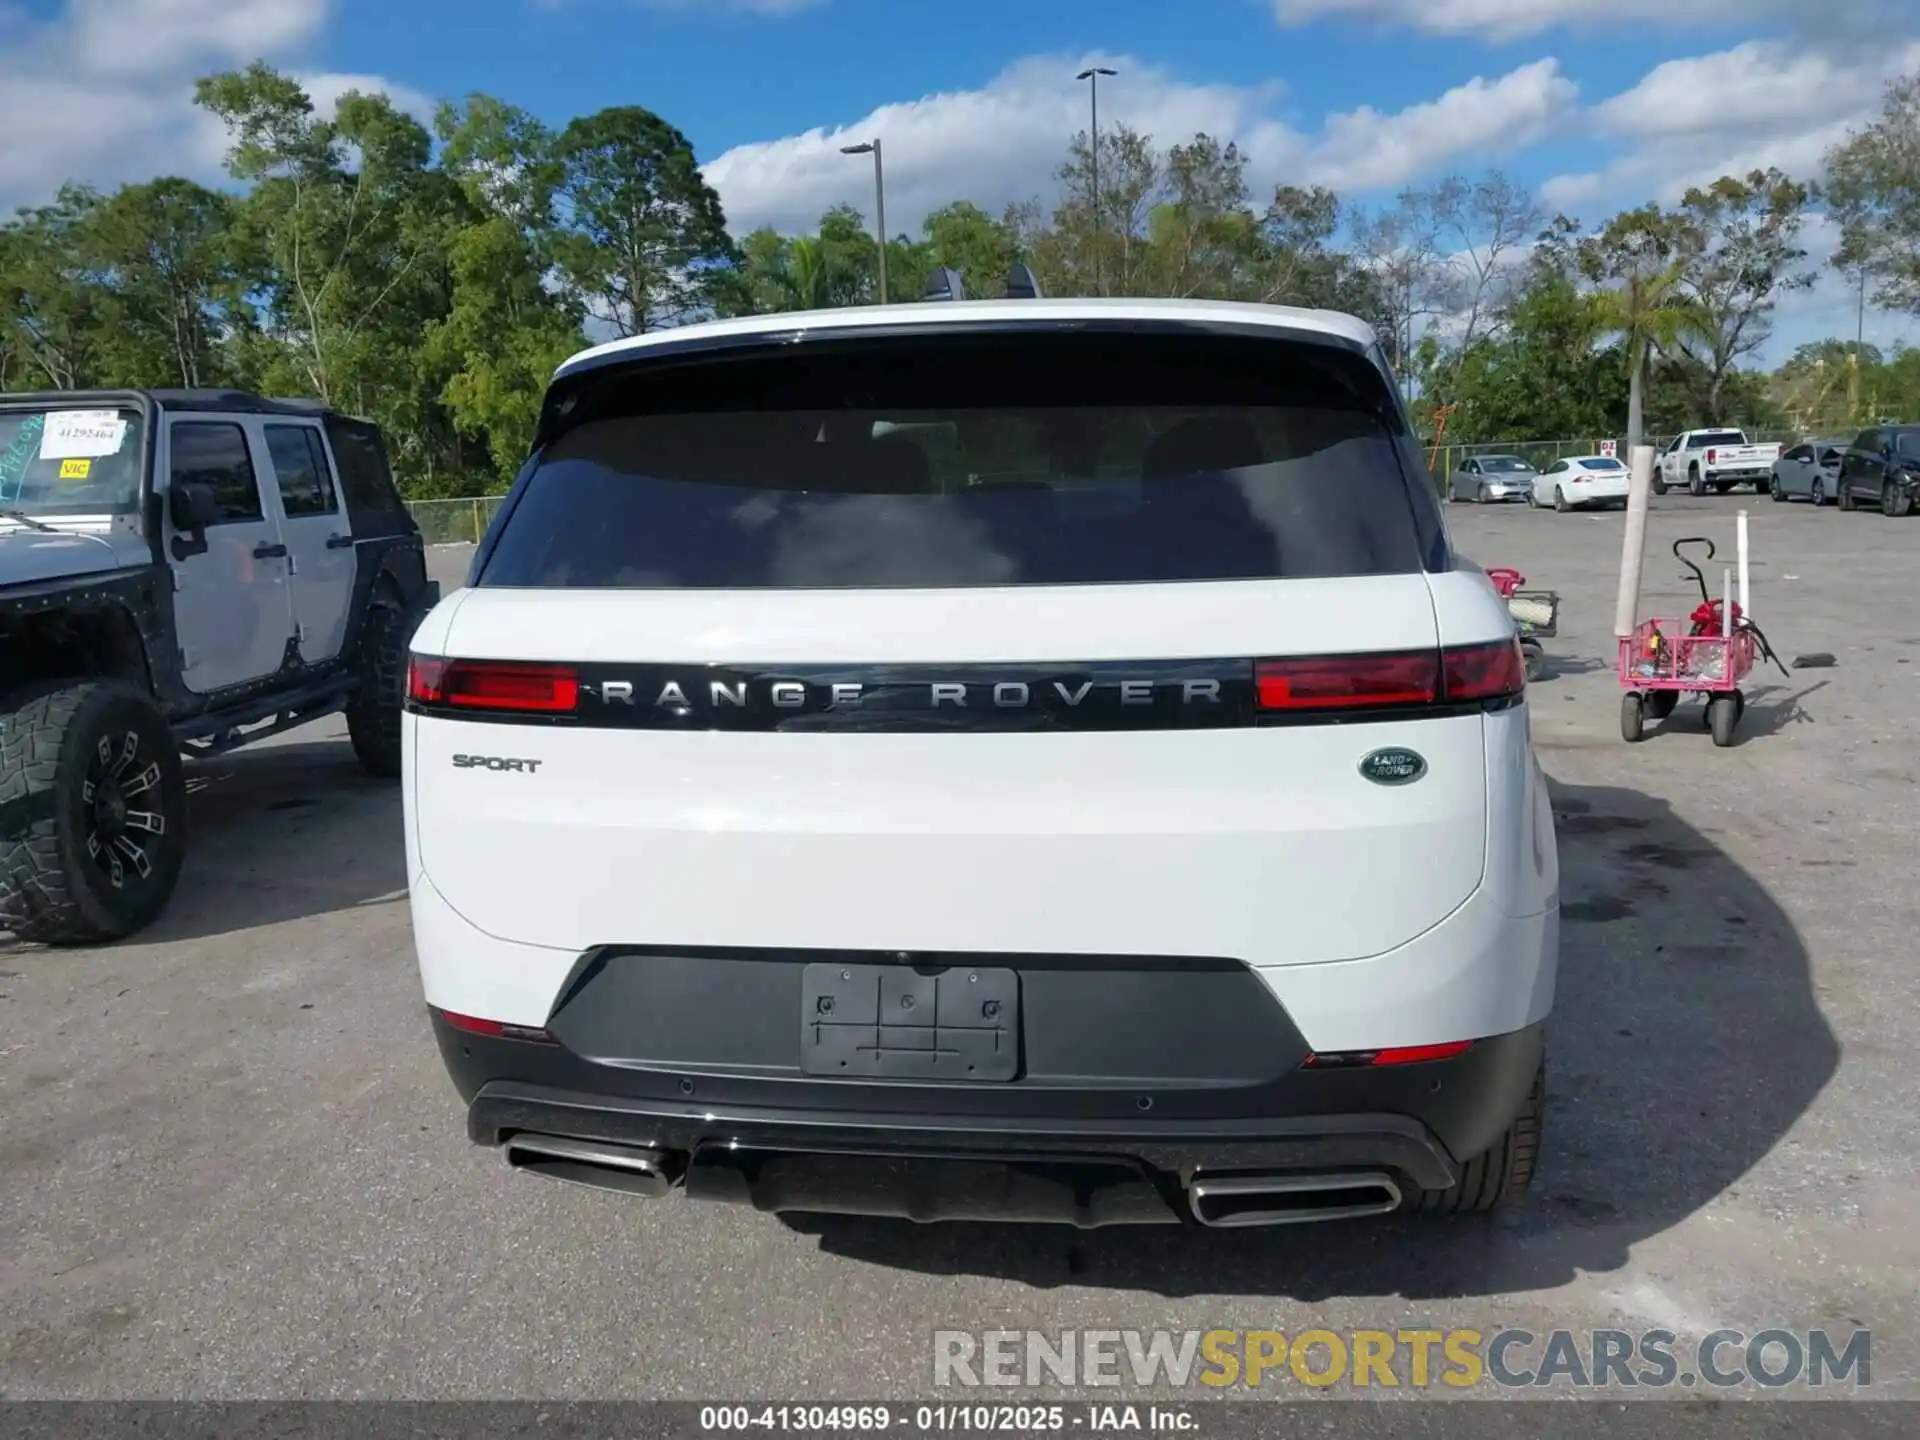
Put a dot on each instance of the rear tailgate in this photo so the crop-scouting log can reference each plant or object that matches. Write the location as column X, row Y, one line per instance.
column 1000, row 695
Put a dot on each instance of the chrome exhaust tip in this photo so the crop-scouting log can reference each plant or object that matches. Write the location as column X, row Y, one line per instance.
column 598, row 1164
column 1233, row 1201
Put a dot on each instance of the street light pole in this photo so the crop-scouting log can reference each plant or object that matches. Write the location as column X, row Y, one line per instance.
column 879, row 204
column 1093, row 74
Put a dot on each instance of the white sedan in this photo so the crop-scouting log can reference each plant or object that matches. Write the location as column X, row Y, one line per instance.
column 1579, row 481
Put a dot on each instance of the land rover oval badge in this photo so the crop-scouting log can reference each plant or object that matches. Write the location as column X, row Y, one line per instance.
column 1393, row 767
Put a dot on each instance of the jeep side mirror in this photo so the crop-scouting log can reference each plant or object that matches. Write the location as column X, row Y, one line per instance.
column 193, row 506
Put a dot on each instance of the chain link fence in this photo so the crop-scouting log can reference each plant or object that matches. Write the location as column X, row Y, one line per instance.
column 454, row 522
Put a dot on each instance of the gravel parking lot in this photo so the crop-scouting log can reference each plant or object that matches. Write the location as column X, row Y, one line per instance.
column 231, row 1165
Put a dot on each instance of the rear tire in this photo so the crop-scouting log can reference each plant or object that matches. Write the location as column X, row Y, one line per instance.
column 1633, row 719
column 1501, row 1174
column 1695, row 486
column 1896, row 502
column 1560, row 501
column 93, row 814
column 373, row 715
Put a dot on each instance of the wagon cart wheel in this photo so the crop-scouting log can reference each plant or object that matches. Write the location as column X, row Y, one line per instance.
column 1723, row 714
column 1660, row 703
column 1632, row 718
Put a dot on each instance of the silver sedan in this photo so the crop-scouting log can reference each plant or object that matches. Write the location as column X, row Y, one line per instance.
column 1492, row 477
column 1808, row 471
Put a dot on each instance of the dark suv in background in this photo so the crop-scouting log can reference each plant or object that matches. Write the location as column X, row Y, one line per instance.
column 1882, row 468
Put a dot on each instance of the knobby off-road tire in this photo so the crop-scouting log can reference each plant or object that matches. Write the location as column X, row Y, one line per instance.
column 373, row 715
column 93, row 814
column 1501, row 1174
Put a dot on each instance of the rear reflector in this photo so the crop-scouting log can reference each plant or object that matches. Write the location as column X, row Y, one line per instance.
column 1421, row 677
column 495, row 1030
column 1394, row 1055
column 492, row 685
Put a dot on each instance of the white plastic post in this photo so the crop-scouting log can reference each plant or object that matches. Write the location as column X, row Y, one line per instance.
column 1746, row 606
column 1633, row 545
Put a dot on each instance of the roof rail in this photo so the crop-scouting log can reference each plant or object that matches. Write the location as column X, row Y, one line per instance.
column 945, row 284
column 1021, row 284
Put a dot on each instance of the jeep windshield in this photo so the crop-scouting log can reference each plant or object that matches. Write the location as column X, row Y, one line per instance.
column 1029, row 457
column 64, row 461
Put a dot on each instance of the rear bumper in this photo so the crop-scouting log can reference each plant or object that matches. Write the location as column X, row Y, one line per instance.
column 1080, row 1154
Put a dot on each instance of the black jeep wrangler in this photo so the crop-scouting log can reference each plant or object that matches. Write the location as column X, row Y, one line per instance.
column 181, row 571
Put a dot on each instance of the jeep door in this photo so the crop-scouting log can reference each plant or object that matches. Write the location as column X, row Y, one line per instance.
column 232, row 603
column 314, row 528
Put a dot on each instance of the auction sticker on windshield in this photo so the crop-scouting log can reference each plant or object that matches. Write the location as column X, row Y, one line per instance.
column 80, row 434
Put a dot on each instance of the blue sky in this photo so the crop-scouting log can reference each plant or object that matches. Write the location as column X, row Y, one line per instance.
column 1596, row 103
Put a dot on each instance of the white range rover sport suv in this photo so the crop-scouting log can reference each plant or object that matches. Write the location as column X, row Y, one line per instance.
column 1020, row 759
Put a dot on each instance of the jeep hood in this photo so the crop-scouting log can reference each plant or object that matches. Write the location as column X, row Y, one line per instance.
column 29, row 556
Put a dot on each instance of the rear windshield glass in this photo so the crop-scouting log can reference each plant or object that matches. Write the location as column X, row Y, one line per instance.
column 1719, row 437
column 1504, row 465
column 1603, row 462
column 1023, row 458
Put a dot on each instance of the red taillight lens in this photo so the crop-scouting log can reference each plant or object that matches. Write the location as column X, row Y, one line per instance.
column 495, row 1029
column 1393, row 1055
column 493, row 685
column 1341, row 682
column 1424, row 677
column 1485, row 672
column 1710, row 456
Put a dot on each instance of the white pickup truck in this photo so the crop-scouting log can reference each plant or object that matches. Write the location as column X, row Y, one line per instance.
column 1715, row 460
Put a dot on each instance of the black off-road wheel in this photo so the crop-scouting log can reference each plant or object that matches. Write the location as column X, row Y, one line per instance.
column 1660, row 703
column 1501, row 1174
column 93, row 814
column 373, row 715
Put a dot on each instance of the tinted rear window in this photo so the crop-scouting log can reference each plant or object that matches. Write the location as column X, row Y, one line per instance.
column 1030, row 458
column 1719, row 437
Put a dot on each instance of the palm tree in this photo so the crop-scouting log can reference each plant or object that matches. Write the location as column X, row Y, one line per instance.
column 1640, row 271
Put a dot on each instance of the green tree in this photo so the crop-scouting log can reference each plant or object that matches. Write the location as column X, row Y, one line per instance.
column 53, row 297
column 173, row 287
column 1547, row 375
column 1636, row 261
column 644, row 243
column 1739, row 240
column 1873, row 186
column 970, row 240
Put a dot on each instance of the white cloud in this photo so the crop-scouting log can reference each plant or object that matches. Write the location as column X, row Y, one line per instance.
column 1003, row 142
column 1760, row 104
column 1515, row 19
column 103, row 92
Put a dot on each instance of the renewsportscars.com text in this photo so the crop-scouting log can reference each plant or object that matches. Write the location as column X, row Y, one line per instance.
column 1457, row 1359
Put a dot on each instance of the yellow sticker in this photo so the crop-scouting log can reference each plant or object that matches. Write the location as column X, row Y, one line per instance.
column 75, row 469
